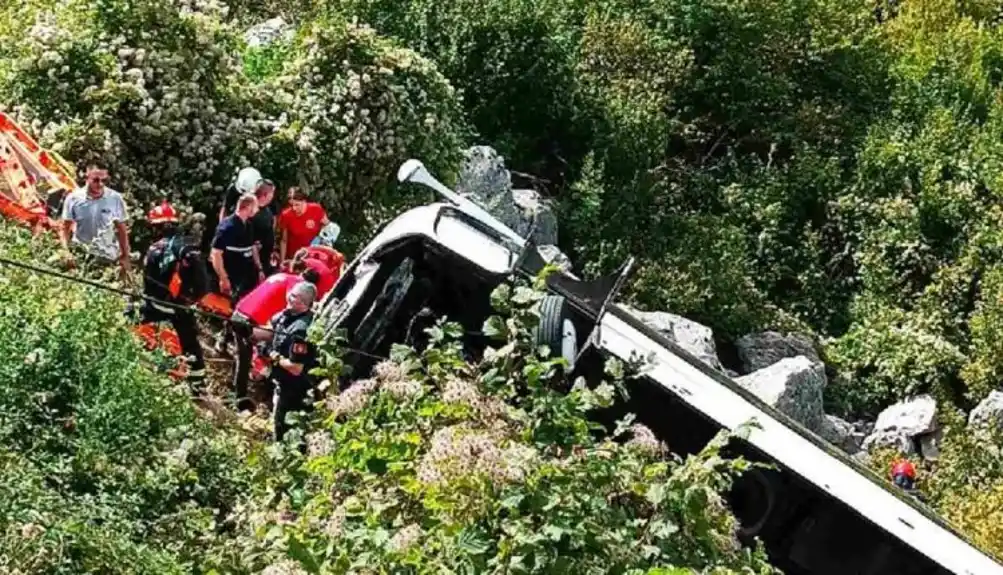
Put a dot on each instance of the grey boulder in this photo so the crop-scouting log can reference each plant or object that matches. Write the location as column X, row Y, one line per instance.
column 538, row 215
column 793, row 386
column 988, row 414
column 899, row 425
column 840, row 433
column 693, row 337
column 759, row 350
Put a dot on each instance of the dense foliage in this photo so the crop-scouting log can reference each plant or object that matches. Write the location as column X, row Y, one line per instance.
column 434, row 465
column 105, row 467
column 817, row 165
column 438, row 466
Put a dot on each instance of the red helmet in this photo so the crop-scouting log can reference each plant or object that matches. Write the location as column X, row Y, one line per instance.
column 904, row 468
column 162, row 214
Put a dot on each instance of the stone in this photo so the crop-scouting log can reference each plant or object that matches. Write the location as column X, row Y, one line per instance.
column 988, row 414
column 693, row 337
column 929, row 444
column 268, row 32
column 793, row 386
column 485, row 181
column 911, row 418
column 538, row 215
column 759, row 350
column 840, row 433
column 553, row 255
column 895, row 440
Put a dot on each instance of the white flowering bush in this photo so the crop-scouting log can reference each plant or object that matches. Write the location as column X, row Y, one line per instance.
column 152, row 89
column 435, row 465
column 351, row 107
column 169, row 97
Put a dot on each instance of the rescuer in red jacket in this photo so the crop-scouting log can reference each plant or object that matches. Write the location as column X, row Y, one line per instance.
column 904, row 474
column 327, row 262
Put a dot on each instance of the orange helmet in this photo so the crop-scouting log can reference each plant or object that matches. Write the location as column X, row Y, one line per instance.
column 162, row 214
column 904, row 468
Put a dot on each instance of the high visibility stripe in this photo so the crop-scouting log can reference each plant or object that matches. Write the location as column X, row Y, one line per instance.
column 162, row 308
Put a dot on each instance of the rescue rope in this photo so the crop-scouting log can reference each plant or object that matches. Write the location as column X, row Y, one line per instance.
column 140, row 296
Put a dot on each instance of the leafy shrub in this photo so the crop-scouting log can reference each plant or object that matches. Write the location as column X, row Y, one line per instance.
column 173, row 113
column 105, row 466
column 436, row 465
column 887, row 356
column 149, row 89
column 350, row 107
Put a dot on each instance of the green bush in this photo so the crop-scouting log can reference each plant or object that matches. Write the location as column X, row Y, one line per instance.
column 106, row 466
column 350, row 107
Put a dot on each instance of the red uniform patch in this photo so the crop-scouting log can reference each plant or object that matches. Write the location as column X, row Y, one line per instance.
column 299, row 348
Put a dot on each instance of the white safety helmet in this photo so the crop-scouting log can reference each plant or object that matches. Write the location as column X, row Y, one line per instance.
column 247, row 180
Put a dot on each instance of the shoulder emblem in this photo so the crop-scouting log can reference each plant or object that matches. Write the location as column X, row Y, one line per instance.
column 299, row 348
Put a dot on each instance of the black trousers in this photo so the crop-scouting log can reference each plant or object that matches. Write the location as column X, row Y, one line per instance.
column 238, row 290
column 292, row 395
column 243, row 330
column 186, row 327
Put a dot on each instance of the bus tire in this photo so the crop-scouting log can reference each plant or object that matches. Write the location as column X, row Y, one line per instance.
column 556, row 329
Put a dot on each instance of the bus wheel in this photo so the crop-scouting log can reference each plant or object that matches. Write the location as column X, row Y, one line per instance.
column 556, row 329
column 753, row 501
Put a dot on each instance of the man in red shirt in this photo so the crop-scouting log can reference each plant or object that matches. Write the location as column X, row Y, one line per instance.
column 254, row 311
column 299, row 223
column 327, row 262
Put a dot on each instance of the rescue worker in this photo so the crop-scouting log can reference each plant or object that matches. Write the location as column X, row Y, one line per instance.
column 174, row 272
column 254, row 310
column 246, row 182
column 263, row 226
column 904, row 474
column 234, row 257
column 326, row 262
column 299, row 224
column 292, row 357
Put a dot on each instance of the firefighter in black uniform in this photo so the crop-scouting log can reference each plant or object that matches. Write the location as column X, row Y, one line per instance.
column 175, row 272
column 292, row 356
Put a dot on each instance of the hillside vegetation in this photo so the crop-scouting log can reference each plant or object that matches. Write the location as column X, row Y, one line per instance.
column 433, row 466
column 817, row 165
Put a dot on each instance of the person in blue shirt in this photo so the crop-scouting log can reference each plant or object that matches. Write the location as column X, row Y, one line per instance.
column 234, row 255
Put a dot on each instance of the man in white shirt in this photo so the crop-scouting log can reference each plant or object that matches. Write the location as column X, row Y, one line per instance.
column 95, row 216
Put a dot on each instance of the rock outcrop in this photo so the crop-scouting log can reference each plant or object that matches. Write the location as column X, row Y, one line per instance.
column 840, row 433
column 904, row 425
column 486, row 181
column 793, row 386
column 988, row 414
column 759, row 350
column 693, row 337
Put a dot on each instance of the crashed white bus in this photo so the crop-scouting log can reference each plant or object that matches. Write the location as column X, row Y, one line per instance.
column 819, row 513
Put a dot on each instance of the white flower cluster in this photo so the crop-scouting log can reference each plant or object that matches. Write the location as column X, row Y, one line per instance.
column 460, row 451
column 463, row 392
column 406, row 538
column 319, row 443
column 284, row 567
column 644, row 441
column 352, row 400
column 171, row 112
column 152, row 106
column 351, row 122
column 395, row 381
